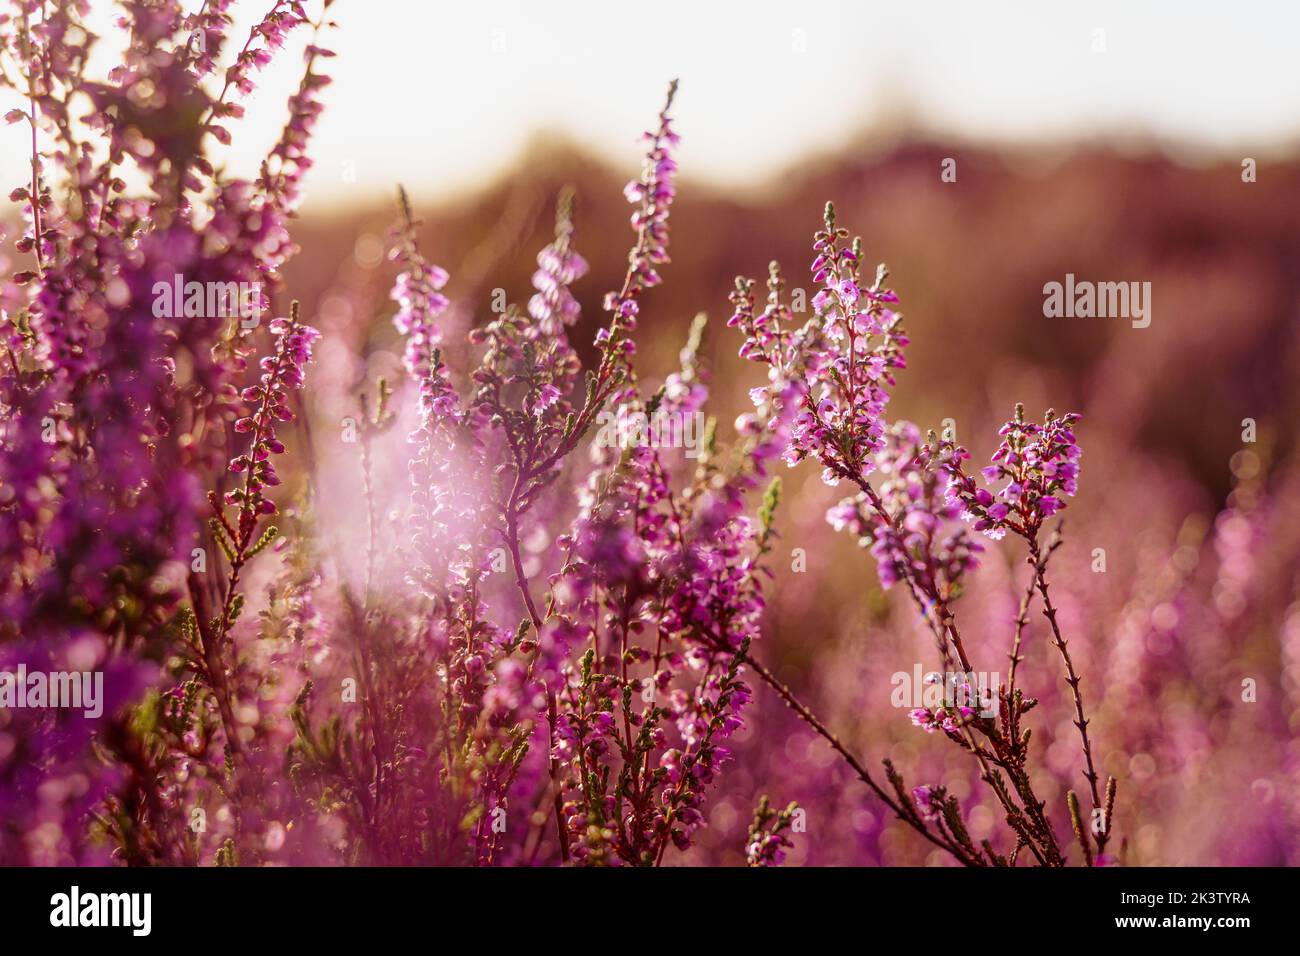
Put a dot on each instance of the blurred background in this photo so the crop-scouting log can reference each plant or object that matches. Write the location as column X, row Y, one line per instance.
column 1125, row 142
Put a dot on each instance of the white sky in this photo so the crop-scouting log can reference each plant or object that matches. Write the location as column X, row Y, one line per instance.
column 442, row 95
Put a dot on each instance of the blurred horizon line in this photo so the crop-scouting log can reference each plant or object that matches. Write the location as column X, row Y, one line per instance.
column 874, row 139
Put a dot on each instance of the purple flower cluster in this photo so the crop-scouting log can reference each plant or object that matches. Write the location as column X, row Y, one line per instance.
column 268, row 403
column 948, row 720
column 419, row 298
column 554, row 306
column 840, row 364
column 915, row 532
column 652, row 194
column 616, row 691
column 836, row 372
column 1040, row 465
column 266, row 36
column 684, row 566
column 118, row 409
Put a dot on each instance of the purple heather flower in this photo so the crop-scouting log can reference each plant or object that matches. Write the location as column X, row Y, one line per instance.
column 838, row 367
column 282, row 370
column 1040, row 464
column 917, row 537
column 559, row 266
column 419, row 299
column 652, row 194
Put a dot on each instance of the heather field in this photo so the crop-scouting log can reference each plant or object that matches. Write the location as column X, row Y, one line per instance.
column 610, row 514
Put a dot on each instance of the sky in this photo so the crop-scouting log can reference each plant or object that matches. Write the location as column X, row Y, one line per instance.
column 443, row 96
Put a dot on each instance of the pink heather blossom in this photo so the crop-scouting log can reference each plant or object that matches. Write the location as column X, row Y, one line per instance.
column 419, row 299
column 838, row 367
column 1040, row 464
column 559, row 266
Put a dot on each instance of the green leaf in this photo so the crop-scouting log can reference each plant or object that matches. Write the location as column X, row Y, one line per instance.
column 269, row 535
column 223, row 541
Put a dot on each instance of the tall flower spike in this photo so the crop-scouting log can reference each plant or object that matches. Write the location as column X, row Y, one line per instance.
column 559, row 266
column 283, row 170
column 847, row 388
column 418, row 296
column 839, row 366
column 652, row 194
column 268, row 400
column 266, row 36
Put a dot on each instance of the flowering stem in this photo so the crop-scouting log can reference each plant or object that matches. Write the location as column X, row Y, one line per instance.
column 253, row 34
column 633, row 282
column 1022, row 621
column 248, row 512
column 211, row 647
column 36, row 158
column 1071, row 677
column 943, row 623
column 808, row 717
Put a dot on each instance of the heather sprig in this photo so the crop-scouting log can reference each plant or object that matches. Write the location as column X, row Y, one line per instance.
column 652, row 194
column 266, row 36
column 841, row 361
column 837, row 370
column 917, row 531
column 685, row 562
column 510, row 435
column 280, row 180
column 1039, row 465
column 558, row 267
column 418, row 294
column 268, row 404
column 243, row 539
column 769, row 840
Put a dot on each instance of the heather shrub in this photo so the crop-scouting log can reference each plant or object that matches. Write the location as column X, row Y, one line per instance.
column 536, row 635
